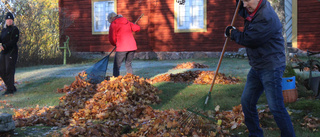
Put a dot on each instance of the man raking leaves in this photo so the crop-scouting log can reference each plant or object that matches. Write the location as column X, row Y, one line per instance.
column 262, row 37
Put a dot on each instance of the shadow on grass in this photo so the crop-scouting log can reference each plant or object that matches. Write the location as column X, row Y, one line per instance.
column 193, row 96
column 174, row 95
column 169, row 89
column 39, row 92
column 183, row 95
column 171, row 96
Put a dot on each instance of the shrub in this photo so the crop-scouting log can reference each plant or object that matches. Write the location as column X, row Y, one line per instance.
column 289, row 72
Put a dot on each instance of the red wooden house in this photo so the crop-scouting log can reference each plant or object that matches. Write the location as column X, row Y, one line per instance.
column 198, row 25
column 307, row 24
column 159, row 27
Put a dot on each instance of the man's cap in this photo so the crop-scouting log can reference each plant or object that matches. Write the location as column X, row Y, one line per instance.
column 9, row 16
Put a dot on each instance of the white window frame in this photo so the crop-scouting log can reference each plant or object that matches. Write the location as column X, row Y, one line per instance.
column 185, row 16
column 103, row 14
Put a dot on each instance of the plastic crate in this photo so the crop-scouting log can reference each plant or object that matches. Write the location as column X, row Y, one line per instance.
column 289, row 83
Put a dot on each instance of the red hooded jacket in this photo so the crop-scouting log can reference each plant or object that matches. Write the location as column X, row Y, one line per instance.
column 120, row 34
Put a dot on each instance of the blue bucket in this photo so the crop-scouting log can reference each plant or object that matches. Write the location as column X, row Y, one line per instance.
column 289, row 83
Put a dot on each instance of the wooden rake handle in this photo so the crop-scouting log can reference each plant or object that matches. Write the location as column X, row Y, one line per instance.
column 223, row 51
column 138, row 18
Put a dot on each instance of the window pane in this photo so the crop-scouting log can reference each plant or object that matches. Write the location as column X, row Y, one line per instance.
column 182, row 16
column 101, row 11
column 191, row 15
column 109, row 8
column 98, row 16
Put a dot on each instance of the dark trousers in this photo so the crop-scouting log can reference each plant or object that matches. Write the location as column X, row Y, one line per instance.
column 118, row 59
column 8, row 68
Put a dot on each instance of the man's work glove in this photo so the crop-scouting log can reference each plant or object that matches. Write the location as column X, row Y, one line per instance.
column 227, row 33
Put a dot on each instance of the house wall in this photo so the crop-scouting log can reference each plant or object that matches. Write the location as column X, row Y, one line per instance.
column 218, row 17
column 157, row 26
column 308, row 25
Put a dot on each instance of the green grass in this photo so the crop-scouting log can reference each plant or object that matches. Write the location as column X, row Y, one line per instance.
column 35, row 131
column 179, row 95
column 33, row 93
column 42, row 90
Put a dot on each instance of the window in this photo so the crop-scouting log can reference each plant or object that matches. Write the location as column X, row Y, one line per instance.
column 191, row 16
column 100, row 11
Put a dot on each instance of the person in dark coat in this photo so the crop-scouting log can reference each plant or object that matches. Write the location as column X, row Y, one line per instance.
column 9, row 53
column 264, row 43
column 120, row 35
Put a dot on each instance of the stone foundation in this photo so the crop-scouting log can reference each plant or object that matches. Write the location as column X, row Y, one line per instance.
column 175, row 55
column 167, row 55
column 241, row 53
column 6, row 123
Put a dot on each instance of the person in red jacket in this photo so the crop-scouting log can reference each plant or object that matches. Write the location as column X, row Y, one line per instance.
column 120, row 35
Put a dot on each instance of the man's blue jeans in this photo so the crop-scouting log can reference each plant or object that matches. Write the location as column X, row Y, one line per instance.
column 259, row 80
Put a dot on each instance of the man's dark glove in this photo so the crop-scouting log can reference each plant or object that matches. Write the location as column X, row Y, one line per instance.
column 227, row 33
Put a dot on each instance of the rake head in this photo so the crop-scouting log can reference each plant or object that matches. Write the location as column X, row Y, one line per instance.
column 196, row 114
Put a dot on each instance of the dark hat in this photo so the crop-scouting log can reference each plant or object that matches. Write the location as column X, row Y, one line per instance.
column 9, row 16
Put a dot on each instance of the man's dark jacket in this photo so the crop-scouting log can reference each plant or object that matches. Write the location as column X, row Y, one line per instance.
column 9, row 38
column 262, row 37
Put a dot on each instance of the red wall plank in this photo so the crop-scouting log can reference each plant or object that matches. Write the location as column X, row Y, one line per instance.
column 308, row 25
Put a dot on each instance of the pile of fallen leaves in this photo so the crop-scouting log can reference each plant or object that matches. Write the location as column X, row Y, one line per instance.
column 82, row 93
column 78, row 83
column 196, row 77
column 120, row 107
column 190, row 65
column 117, row 107
column 5, row 104
column 311, row 123
column 227, row 120
column 117, row 104
column 59, row 115
column 184, row 123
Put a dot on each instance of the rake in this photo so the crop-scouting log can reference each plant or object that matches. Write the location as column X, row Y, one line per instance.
column 139, row 18
column 193, row 109
column 97, row 72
